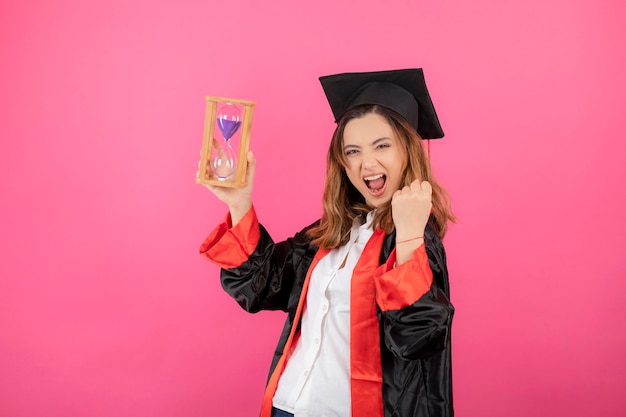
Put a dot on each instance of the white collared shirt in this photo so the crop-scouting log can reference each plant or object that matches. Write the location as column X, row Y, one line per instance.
column 316, row 379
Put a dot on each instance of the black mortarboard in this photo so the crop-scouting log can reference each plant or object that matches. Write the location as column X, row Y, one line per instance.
column 403, row 91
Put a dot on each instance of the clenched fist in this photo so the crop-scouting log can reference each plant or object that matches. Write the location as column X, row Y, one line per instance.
column 410, row 209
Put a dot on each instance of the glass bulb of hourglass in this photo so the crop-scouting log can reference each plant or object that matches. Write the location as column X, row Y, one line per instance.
column 229, row 120
column 223, row 160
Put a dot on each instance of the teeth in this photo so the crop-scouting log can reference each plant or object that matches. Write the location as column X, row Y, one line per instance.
column 373, row 177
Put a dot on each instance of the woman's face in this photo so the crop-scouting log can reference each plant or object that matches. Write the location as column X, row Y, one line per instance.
column 374, row 158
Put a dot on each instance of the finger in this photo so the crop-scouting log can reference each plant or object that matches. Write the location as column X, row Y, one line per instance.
column 416, row 185
column 426, row 187
column 251, row 167
column 401, row 193
column 396, row 195
column 220, row 151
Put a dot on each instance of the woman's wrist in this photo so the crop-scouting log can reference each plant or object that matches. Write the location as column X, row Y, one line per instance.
column 406, row 245
column 239, row 212
column 407, row 240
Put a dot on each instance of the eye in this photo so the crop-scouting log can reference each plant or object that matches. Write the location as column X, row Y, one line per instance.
column 351, row 152
column 382, row 145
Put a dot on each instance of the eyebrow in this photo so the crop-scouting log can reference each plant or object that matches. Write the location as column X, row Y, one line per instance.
column 376, row 142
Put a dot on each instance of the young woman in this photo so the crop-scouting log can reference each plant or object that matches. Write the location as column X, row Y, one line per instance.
column 366, row 287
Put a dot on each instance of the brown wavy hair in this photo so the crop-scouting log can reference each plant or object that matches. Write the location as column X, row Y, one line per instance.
column 342, row 202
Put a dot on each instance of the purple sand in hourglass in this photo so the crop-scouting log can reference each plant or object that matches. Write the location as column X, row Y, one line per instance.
column 228, row 127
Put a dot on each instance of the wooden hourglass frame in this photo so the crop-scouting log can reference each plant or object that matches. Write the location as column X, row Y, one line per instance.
column 205, row 174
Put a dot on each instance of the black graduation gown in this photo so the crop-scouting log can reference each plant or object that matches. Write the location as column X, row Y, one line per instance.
column 415, row 340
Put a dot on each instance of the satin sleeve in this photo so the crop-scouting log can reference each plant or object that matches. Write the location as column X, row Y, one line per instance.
column 416, row 313
column 228, row 246
column 257, row 272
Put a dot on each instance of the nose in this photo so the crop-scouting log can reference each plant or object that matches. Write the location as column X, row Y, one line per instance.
column 369, row 160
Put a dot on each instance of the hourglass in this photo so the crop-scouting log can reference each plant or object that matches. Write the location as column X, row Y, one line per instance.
column 223, row 157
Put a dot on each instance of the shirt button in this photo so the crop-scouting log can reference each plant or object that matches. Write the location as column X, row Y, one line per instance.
column 306, row 373
column 325, row 307
column 317, row 341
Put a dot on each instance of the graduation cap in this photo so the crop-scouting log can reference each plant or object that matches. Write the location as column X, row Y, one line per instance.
column 403, row 91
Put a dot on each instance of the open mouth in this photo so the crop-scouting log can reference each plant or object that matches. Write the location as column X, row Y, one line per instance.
column 376, row 183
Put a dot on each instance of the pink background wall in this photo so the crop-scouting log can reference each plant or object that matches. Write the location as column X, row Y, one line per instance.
column 106, row 309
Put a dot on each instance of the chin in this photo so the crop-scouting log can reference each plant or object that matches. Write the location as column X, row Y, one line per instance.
column 378, row 203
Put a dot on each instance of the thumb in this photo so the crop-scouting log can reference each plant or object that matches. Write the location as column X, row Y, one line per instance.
column 251, row 168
